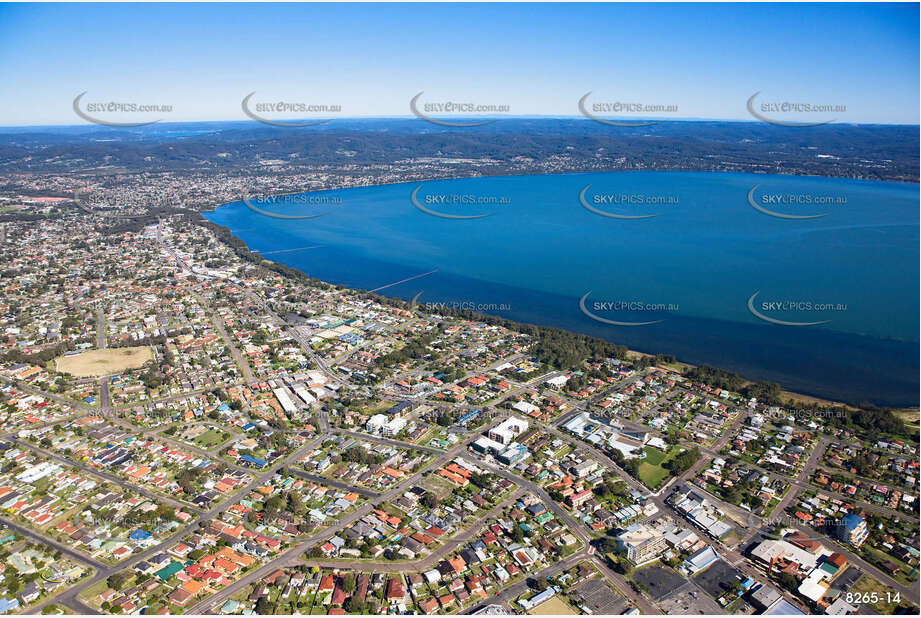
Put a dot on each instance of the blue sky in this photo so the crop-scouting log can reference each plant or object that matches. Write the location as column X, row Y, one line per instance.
column 539, row 59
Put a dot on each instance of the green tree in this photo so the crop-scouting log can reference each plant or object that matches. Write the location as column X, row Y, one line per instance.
column 117, row 581
column 789, row 581
column 354, row 605
column 348, row 583
column 430, row 500
column 263, row 606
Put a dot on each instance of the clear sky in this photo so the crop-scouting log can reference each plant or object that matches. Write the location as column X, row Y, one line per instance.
column 538, row 58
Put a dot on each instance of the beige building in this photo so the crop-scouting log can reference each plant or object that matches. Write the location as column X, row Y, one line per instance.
column 642, row 543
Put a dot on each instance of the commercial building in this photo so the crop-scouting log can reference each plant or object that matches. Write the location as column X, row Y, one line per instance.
column 394, row 426
column 514, row 454
column 700, row 560
column 781, row 555
column 487, row 446
column 301, row 391
column 526, row 408
column 537, row 599
column 376, row 423
column 765, row 597
column 509, row 429
column 284, row 398
column 556, row 383
column 840, row 607
column 642, row 543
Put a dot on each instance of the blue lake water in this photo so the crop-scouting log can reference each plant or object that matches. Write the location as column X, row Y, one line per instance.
column 691, row 269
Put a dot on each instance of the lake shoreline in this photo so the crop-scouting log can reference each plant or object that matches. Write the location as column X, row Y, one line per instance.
column 564, row 173
column 805, row 397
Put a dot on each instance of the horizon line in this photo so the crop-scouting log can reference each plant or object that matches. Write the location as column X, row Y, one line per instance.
column 657, row 119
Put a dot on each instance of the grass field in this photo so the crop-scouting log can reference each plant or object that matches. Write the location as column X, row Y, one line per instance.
column 869, row 584
column 212, row 437
column 88, row 594
column 377, row 408
column 103, row 362
column 554, row 606
column 654, row 456
column 441, row 487
column 651, row 471
column 878, row 557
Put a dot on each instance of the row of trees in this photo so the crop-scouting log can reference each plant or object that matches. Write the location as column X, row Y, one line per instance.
column 414, row 348
column 239, row 247
column 867, row 419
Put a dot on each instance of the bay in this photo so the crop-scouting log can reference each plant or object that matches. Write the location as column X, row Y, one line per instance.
column 713, row 241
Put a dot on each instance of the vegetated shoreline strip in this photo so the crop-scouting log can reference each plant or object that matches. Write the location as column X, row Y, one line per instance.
column 166, row 211
column 239, row 246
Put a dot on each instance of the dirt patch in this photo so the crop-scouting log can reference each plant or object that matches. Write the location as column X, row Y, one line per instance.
column 103, row 362
column 552, row 607
column 908, row 415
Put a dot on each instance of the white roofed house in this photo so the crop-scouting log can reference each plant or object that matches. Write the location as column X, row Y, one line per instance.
column 557, row 382
column 525, row 407
column 432, row 576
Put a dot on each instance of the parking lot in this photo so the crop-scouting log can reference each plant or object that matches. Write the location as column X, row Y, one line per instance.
column 689, row 600
column 659, row 582
column 717, row 578
column 598, row 597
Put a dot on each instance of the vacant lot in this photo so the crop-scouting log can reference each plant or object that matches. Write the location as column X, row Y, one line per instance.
column 103, row 362
column 438, row 485
column 884, row 594
column 377, row 408
column 552, row 607
column 212, row 437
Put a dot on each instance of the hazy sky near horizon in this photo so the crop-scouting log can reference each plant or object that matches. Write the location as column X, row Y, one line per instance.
column 202, row 59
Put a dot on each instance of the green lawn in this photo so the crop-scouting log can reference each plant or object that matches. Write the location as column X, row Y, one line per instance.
column 650, row 471
column 377, row 408
column 878, row 557
column 212, row 437
column 654, row 456
column 652, row 476
column 89, row 594
column 885, row 595
column 54, row 609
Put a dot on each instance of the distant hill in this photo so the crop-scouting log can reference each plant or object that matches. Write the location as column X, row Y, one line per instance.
column 881, row 152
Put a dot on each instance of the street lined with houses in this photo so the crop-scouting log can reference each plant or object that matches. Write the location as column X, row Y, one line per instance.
column 436, row 456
